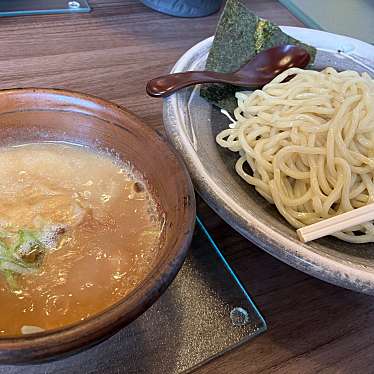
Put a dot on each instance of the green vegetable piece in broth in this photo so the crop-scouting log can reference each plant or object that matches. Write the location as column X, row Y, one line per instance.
column 240, row 35
column 10, row 278
column 23, row 252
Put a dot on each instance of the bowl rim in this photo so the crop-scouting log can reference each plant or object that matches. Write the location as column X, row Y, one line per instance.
column 50, row 344
column 299, row 255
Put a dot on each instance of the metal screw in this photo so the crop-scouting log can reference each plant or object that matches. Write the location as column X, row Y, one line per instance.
column 239, row 316
column 74, row 4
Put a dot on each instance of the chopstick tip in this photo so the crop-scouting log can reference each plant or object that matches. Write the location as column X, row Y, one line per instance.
column 300, row 235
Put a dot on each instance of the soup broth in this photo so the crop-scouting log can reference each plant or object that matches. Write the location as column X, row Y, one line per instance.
column 78, row 232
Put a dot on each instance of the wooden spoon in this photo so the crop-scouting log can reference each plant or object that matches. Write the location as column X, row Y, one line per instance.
column 256, row 73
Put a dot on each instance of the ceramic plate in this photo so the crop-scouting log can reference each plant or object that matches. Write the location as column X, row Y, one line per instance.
column 192, row 124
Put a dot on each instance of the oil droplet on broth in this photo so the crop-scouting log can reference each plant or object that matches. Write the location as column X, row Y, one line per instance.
column 111, row 239
column 105, row 198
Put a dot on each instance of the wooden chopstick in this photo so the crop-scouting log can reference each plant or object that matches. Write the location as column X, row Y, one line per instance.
column 338, row 223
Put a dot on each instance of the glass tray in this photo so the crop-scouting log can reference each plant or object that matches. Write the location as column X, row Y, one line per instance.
column 27, row 7
column 203, row 314
column 347, row 17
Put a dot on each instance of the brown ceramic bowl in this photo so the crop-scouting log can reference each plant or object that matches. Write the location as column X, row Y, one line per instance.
column 34, row 115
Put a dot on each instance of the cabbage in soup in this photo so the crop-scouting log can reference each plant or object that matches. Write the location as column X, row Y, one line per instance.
column 78, row 232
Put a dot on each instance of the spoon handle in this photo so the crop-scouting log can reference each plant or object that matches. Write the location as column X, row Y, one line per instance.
column 168, row 84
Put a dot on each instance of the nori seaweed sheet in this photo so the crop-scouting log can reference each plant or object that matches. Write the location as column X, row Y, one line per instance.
column 240, row 35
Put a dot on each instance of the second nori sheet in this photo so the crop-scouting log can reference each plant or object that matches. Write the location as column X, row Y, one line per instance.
column 240, row 35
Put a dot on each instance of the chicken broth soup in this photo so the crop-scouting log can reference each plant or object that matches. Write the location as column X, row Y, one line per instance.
column 78, row 232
